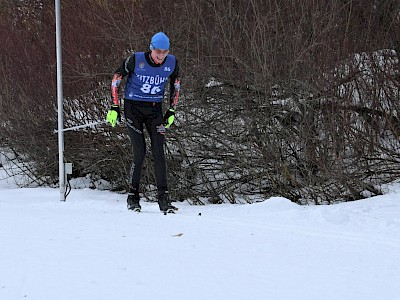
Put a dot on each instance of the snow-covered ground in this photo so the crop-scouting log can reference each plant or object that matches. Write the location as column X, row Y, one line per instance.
column 91, row 247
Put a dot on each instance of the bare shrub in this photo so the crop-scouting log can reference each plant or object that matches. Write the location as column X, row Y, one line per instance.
column 292, row 98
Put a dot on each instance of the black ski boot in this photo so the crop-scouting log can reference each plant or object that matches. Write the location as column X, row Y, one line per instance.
column 133, row 200
column 165, row 203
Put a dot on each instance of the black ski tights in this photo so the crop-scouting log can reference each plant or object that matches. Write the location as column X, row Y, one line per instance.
column 150, row 114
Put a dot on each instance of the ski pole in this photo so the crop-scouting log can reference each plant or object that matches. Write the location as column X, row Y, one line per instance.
column 81, row 126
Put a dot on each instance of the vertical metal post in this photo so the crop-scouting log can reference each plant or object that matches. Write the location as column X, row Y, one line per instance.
column 61, row 166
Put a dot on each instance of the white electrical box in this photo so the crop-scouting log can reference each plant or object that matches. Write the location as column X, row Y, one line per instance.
column 68, row 168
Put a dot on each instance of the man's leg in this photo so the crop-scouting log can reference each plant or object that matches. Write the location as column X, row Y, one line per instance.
column 134, row 122
column 157, row 137
column 154, row 126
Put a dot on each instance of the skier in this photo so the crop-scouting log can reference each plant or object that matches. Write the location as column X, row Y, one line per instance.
column 148, row 73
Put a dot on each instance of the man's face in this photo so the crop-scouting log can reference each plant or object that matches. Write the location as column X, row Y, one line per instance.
column 159, row 55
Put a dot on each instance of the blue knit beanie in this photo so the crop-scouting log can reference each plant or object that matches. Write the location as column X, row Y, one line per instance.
column 159, row 41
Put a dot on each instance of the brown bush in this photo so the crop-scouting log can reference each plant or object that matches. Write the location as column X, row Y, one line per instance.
column 301, row 101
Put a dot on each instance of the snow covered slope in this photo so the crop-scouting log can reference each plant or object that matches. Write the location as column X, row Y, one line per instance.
column 91, row 247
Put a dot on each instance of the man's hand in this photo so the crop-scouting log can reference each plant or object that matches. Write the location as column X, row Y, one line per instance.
column 113, row 115
column 169, row 117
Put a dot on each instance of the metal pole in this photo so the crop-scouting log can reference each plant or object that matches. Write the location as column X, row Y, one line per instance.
column 61, row 166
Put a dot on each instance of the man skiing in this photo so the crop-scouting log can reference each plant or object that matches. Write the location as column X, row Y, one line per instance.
column 148, row 73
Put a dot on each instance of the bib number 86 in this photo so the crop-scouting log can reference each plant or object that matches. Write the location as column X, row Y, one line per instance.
column 149, row 89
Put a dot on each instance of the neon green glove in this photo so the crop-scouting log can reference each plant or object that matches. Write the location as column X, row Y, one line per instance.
column 169, row 117
column 113, row 115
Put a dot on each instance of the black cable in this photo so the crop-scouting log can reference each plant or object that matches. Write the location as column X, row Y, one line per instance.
column 67, row 188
